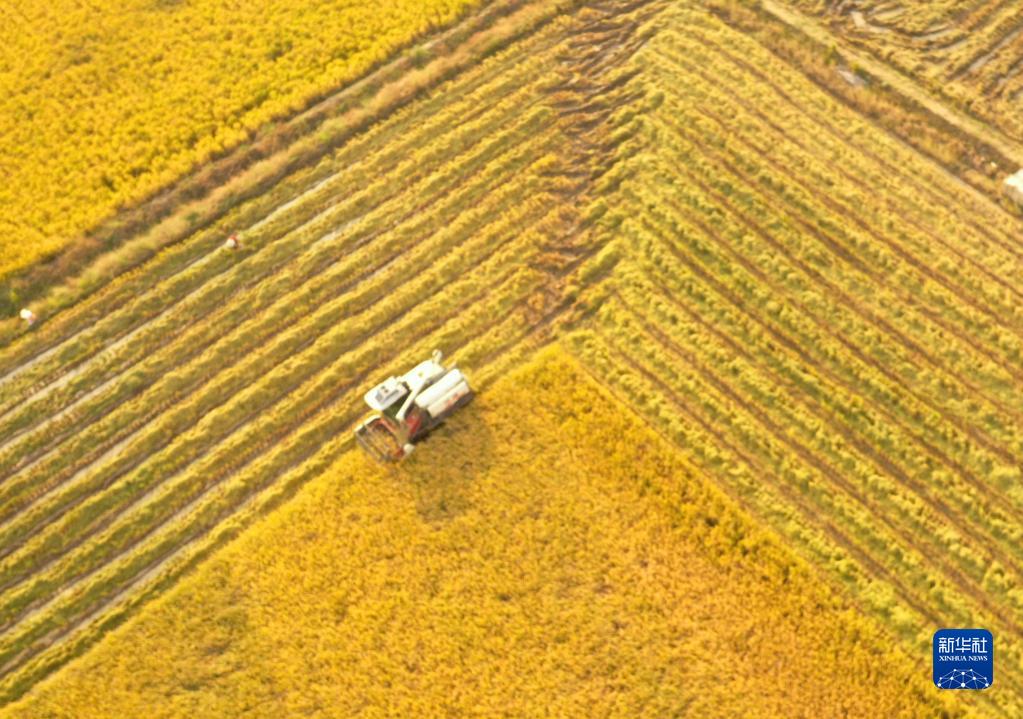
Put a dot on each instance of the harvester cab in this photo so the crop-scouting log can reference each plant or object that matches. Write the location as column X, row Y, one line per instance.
column 407, row 408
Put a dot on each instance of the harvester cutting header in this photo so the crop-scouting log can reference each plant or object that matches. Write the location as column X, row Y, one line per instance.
column 407, row 408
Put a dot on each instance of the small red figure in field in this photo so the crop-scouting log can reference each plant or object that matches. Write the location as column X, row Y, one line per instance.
column 233, row 243
column 28, row 315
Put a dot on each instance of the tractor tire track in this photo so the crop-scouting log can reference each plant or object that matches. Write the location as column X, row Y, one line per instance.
column 827, row 328
column 800, row 350
column 335, row 188
column 238, row 462
column 789, row 496
column 941, row 202
column 833, row 478
column 864, row 446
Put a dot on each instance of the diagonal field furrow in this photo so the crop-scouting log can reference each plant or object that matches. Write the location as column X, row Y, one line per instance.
column 814, row 343
column 987, row 262
column 228, row 458
column 915, row 345
column 884, row 358
column 345, row 309
column 931, row 184
column 354, row 320
column 321, row 247
column 183, row 319
column 864, row 361
column 159, row 447
column 315, row 203
column 893, row 453
column 933, row 210
column 348, row 164
column 882, row 428
column 799, row 430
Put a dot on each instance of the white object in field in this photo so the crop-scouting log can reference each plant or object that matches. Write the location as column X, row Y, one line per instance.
column 232, row 242
column 28, row 315
column 408, row 407
column 384, row 394
column 443, row 395
column 1014, row 187
column 393, row 389
column 851, row 77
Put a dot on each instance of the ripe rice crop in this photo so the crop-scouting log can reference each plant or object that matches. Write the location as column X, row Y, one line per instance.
column 149, row 89
column 789, row 304
column 823, row 322
column 587, row 576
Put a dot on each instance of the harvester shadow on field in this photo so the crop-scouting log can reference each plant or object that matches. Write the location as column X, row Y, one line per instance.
column 440, row 473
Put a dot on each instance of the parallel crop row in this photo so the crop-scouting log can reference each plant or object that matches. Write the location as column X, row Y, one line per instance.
column 355, row 174
column 816, row 314
column 809, row 309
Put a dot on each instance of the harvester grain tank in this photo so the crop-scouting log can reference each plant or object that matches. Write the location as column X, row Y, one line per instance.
column 407, row 408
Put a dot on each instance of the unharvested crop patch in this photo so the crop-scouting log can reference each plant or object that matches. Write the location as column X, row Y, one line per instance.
column 826, row 323
column 157, row 409
column 563, row 559
column 102, row 105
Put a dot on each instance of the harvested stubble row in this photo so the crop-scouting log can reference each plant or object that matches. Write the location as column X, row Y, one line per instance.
column 593, row 575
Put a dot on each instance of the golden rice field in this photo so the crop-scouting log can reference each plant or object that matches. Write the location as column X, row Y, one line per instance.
column 819, row 327
column 970, row 52
column 592, row 576
column 148, row 89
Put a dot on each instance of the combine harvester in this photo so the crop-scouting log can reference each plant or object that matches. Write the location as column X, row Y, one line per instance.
column 407, row 408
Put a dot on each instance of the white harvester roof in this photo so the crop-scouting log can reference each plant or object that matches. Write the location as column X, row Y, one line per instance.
column 423, row 374
column 385, row 394
column 395, row 388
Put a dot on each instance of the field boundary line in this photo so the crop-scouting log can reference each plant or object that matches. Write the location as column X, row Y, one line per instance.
column 336, row 256
column 489, row 255
column 820, row 523
column 120, row 606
